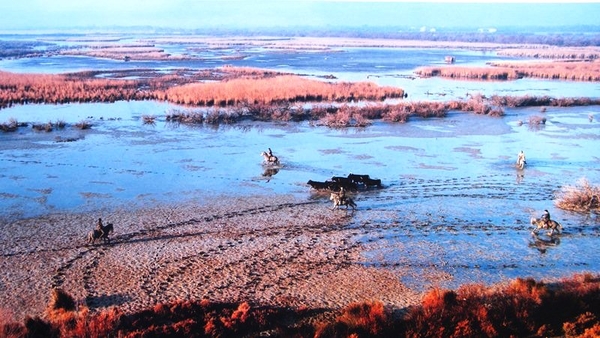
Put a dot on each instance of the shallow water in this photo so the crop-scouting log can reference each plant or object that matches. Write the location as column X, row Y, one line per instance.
column 384, row 66
column 451, row 192
column 452, row 200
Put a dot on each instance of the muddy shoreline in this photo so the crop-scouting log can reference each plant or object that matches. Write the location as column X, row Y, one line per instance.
column 267, row 250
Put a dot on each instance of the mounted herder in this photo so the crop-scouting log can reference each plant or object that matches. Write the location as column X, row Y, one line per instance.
column 100, row 232
column 545, row 222
column 340, row 198
column 521, row 160
column 269, row 158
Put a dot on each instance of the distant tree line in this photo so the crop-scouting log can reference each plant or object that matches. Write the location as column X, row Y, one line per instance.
column 580, row 36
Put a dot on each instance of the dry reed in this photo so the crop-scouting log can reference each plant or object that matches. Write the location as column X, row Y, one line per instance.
column 285, row 88
column 582, row 197
column 557, row 70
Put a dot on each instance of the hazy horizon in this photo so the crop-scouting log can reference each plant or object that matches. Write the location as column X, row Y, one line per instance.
column 187, row 14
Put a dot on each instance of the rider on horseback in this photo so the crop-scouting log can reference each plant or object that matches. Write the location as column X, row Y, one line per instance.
column 342, row 194
column 270, row 157
column 521, row 158
column 546, row 218
column 100, row 228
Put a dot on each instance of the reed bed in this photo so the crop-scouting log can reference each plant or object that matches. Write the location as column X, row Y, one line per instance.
column 239, row 86
column 60, row 89
column 553, row 52
column 286, row 88
column 582, row 197
column 560, row 70
column 557, row 70
column 474, row 73
column 521, row 308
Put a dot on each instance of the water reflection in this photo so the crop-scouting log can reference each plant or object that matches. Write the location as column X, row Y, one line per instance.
column 541, row 243
column 270, row 172
column 520, row 178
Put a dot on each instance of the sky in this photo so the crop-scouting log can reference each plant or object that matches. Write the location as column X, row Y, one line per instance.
column 193, row 14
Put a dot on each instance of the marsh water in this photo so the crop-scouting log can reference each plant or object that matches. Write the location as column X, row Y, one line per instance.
column 452, row 197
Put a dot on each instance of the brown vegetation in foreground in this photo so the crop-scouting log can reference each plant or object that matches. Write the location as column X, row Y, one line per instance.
column 524, row 307
column 557, row 70
column 582, row 197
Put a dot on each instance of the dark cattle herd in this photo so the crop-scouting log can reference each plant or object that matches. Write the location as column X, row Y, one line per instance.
column 352, row 182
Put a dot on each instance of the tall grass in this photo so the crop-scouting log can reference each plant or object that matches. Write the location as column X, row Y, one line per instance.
column 569, row 53
column 278, row 89
column 558, row 70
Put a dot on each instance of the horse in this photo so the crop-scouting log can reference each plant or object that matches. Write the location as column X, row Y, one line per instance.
column 95, row 234
column 269, row 159
column 338, row 201
column 540, row 224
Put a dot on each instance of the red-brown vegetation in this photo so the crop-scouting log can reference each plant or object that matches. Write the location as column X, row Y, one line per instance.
column 472, row 73
column 523, row 307
column 553, row 52
column 369, row 319
column 238, row 86
column 287, row 88
column 58, row 89
column 249, row 93
column 558, row 70
column 582, row 197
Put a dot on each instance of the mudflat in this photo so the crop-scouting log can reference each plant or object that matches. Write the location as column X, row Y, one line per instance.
column 269, row 250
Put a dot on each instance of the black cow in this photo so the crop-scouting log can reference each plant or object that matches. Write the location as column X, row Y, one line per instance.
column 358, row 178
column 347, row 185
column 318, row 185
column 371, row 182
column 342, row 179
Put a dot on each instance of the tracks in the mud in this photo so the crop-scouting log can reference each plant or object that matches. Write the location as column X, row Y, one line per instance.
column 485, row 186
column 160, row 276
